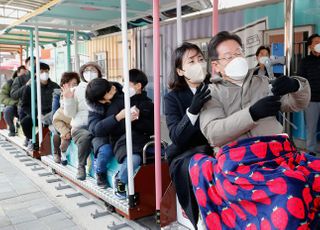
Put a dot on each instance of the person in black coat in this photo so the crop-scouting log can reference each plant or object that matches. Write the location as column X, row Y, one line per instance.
column 99, row 94
column 142, row 112
column 19, row 85
column 47, row 88
column 108, row 125
column 182, row 106
column 310, row 69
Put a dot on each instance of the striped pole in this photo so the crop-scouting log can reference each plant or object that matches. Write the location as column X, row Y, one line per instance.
column 157, row 130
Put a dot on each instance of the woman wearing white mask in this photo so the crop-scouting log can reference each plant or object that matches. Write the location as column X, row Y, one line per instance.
column 47, row 88
column 75, row 106
column 189, row 92
column 257, row 179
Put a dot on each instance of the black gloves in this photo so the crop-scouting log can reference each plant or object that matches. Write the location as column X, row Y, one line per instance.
column 265, row 107
column 201, row 96
column 283, row 85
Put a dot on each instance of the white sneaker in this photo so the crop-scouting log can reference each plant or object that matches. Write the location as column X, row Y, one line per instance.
column 64, row 160
column 30, row 146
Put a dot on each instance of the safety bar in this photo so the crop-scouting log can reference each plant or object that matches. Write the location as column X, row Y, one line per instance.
column 145, row 147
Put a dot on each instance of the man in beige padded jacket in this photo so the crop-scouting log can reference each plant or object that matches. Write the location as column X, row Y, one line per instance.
column 244, row 105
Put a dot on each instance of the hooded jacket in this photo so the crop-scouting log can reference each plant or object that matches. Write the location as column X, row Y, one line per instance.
column 77, row 107
column 226, row 117
column 18, row 87
column 106, row 129
column 99, row 120
column 5, row 94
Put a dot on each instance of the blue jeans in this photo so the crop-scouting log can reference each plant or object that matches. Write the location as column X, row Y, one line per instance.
column 105, row 154
column 123, row 171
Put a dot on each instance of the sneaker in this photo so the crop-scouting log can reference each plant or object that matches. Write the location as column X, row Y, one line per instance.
column 64, row 160
column 11, row 134
column 26, row 142
column 119, row 188
column 30, row 146
column 102, row 180
column 81, row 174
column 56, row 158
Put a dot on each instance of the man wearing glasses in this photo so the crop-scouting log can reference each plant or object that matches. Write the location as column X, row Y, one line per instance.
column 240, row 106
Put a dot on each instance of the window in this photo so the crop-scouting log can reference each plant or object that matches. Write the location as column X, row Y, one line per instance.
column 101, row 59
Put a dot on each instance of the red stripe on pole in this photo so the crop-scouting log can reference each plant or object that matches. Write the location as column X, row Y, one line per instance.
column 215, row 24
column 156, row 74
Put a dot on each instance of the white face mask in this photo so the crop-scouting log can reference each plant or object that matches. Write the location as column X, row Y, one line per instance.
column 196, row 73
column 72, row 89
column 44, row 76
column 262, row 60
column 237, row 69
column 317, row 48
column 90, row 75
column 132, row 91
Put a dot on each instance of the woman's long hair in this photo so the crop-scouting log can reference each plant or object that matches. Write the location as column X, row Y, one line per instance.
column 178, row 82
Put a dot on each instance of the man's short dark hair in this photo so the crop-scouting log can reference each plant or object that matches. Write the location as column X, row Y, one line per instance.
column 137, row 76
column 44, row 66
column 20, row 68
column 96, row 89
column 28, row 59
column 309, row 41
column 217, row 40
column 262, row 48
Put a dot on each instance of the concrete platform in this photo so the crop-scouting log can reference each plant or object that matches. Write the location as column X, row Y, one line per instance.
column 32, row 197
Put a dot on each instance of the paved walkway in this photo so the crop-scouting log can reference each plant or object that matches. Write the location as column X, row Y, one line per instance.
column 32, row 197
column 24, row 206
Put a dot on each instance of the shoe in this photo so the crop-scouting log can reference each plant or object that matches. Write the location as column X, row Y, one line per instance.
column 11, row 134
column 30, row 146
column 56, row 158
column 81, row 174
column 64, row 160
column 119, row 188
column 102, row 180
column 26, row 142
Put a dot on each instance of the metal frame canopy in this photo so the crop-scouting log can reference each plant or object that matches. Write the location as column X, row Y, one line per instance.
column 87, row 15
column 12, row 10
column 21, row 36
column 15, row 12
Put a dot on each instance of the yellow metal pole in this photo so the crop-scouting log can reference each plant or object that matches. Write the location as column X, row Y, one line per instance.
column 32, row 14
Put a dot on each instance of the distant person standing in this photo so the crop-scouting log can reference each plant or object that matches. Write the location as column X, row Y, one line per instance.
column 17, row 89
column 310, row 69
column 10, row 111
column 263, row 54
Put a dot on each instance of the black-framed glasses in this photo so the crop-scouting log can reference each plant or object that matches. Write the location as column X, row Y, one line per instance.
column 229, row 56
